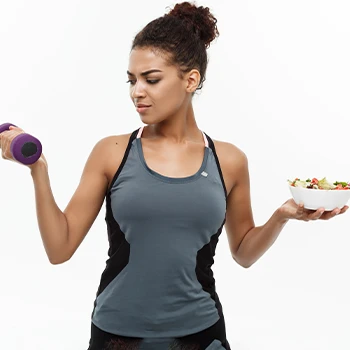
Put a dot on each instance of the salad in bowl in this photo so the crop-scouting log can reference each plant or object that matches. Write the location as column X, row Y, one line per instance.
column 315, row 193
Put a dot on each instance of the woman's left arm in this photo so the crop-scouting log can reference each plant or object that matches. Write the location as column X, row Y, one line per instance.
column 247, row 241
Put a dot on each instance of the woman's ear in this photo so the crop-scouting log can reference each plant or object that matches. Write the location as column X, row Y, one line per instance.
column 193, row 79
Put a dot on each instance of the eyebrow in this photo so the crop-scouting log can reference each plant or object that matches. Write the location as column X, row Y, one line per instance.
column 145, row 73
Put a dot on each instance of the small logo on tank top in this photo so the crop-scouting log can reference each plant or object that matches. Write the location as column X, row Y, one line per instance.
column 204, row 174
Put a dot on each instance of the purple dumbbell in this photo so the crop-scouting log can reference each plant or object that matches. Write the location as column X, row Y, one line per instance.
column 25, row 148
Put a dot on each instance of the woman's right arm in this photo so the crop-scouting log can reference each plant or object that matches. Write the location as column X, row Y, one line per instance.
column 63, row 232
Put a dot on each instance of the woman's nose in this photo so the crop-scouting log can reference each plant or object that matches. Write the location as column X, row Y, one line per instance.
column 137, row 90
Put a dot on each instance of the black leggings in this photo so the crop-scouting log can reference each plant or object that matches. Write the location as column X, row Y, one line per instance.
column 212, row 338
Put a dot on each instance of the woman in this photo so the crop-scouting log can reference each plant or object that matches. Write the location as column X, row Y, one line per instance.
column 169, row 191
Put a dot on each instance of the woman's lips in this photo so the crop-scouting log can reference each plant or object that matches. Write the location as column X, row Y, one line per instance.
column 142, row 109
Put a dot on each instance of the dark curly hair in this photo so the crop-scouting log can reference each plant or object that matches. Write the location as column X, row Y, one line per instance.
column 181, row 37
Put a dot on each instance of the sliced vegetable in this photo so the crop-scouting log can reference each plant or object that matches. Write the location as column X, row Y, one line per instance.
column 322, row 184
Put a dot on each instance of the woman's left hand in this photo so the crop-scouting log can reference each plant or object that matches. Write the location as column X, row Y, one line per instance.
column 291, row 210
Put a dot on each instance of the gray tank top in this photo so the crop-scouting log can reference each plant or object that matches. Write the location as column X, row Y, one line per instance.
column 162, row 233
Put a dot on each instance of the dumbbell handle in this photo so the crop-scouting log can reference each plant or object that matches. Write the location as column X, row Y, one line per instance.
column 25, row 148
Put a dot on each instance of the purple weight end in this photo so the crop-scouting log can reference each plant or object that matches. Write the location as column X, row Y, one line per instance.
column 5, row 126
column 26, row 149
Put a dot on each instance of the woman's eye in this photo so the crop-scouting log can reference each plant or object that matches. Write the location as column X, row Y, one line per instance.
column 132, row 82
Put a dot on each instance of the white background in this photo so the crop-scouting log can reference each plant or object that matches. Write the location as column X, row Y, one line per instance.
column 277, row 87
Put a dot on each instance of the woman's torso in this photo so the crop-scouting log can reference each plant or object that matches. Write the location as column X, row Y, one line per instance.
column 166, row 207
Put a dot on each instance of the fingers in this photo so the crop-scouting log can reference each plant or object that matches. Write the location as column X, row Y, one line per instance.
column 331, row 214
column 302, row 213
column 299, row 214
column 316, row 214
column 300, row 210
column 12, row 127
column 6, row 138
column 344, row 209
column 320, row 213
column 307, row 214
column 338, row 211
column 5, row 145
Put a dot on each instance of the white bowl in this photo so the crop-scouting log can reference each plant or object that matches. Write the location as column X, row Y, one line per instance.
column 314, row 199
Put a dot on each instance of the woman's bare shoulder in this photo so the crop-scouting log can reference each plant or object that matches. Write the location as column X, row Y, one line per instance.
column 112, row 149
column 120, row 139
column 229, row 152
column 232, row 159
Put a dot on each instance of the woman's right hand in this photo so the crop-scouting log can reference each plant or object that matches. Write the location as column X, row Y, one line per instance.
column 6, row 137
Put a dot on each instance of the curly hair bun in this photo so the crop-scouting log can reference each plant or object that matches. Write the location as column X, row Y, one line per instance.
column 198, row 19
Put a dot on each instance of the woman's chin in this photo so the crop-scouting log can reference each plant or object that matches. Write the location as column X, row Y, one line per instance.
column 147, row 119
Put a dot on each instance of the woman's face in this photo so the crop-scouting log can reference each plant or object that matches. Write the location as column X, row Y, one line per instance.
column 155, row 84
